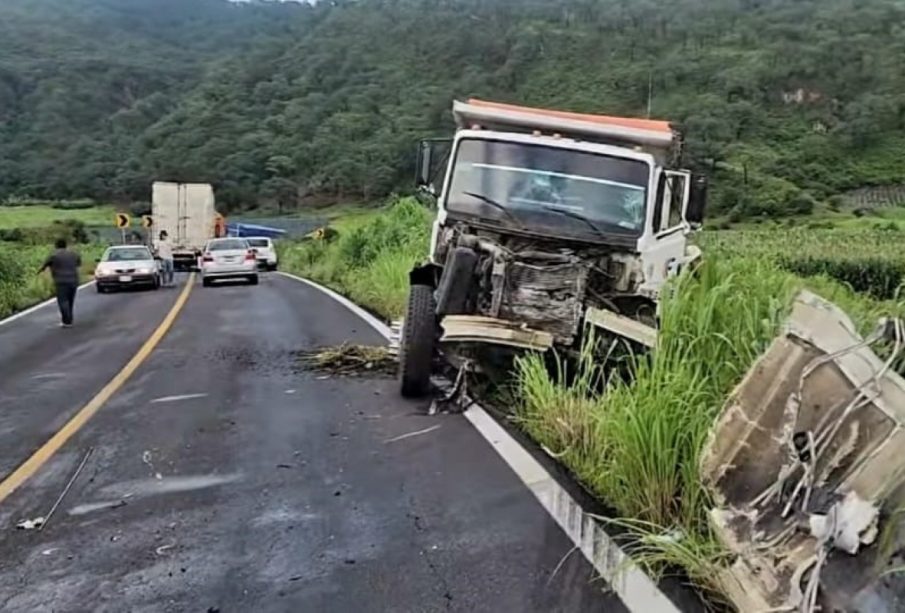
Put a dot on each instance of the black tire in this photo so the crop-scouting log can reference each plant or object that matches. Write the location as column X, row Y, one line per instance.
column 101, row 289
column 205, row 282
column 416, row 347
column 253, row 279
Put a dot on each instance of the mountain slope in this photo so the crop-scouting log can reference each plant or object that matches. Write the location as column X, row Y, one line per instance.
column 785, row 102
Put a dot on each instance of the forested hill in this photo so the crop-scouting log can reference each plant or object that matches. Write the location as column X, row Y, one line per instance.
column 787, row 102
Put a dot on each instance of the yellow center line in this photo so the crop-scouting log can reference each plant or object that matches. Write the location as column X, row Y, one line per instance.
column 46, row 451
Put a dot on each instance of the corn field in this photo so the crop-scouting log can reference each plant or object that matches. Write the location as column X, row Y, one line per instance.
column 867, row 261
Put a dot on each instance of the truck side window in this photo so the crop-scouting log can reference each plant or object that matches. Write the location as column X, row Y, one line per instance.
column 668, row 214
column 676, row 196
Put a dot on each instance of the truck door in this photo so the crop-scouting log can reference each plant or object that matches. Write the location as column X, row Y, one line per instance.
column 664, row 253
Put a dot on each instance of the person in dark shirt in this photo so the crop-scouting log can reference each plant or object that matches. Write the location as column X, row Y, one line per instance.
column 64, row 268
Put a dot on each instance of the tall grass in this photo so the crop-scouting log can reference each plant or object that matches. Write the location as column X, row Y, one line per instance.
column 633, row 442
column 371, row 259
column 636, row 443
column 20, row 287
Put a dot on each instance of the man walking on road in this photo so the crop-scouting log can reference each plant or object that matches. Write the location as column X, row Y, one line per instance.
column 64, row 268
column 165, row 253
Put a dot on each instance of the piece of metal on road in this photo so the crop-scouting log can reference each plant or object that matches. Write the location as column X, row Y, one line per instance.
column 28, row 468
column 178, row 398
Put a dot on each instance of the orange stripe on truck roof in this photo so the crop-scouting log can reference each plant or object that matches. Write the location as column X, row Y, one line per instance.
column 654, row 125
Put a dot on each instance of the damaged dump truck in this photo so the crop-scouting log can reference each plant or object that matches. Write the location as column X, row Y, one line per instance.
column 546, row 220
column 806, row 466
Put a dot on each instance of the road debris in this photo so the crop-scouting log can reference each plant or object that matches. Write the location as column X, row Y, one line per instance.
column 348, row 359
column 30, row 524
column 163, row 548
column 165, row 399
column 65, row 491
column 411, row 434
column 804, row 457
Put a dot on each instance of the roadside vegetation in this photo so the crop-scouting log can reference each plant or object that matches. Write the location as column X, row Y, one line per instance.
column 27, row 235
column 23, row 215
column 370, row 256
column 20, row 287
column 635, row 442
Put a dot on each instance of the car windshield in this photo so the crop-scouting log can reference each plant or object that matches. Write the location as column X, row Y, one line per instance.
column 228, row 245
column 552, row 189
column 127, row 255
column 258, row 242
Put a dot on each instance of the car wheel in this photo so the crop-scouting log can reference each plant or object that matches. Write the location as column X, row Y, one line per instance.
column 253, row 279
column 273, row 267
column 101, row 289
column 416, row 348
column 205, row 282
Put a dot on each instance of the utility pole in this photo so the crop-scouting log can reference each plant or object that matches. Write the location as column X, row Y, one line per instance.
column 650, row 90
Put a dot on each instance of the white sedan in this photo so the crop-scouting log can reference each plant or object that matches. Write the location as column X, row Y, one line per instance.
column 228, row 258
column 126, row 266
column 267, row 253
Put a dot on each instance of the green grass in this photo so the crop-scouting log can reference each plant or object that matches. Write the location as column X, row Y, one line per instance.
column 635, row 442
column 371, row 256
column 44, row 215
column 20, row 286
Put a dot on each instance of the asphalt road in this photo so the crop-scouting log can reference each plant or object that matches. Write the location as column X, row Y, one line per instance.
column 225, row 477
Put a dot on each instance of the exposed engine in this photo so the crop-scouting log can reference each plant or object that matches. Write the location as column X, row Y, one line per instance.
column 542, row 284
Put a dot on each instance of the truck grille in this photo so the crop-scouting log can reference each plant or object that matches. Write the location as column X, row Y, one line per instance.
column 547, row 297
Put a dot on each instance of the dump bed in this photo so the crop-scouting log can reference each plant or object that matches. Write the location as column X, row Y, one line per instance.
column 654, row 136
column 186, row 211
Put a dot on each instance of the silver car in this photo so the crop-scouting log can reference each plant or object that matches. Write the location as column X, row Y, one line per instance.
column 228, row 258
column 126, row 266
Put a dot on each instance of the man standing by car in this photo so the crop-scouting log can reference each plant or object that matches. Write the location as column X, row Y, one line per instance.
column 64, row 268
column 165, row 253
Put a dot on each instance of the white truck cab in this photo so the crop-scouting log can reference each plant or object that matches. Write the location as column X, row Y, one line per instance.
column 546, row 220
column 669, row 202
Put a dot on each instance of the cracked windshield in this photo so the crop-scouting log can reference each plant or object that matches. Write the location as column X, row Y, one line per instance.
column 600, row 192
column 503, row 306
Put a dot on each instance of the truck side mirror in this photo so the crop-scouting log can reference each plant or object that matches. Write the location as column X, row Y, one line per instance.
column 697, row 200
column 423, row 171
column 432, row 156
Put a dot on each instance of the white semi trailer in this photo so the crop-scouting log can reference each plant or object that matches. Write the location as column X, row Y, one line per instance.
column 186, row 211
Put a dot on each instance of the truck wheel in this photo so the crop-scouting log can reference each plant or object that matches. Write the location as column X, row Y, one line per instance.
column 416, row 347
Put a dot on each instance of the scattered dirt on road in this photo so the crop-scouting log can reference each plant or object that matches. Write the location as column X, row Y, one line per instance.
column 348, row 360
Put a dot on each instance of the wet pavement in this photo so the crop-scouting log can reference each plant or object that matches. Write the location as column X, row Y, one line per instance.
column 225, row 477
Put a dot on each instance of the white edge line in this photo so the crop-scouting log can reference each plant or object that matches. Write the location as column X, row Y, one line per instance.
column 638, row 592
column 35, row 307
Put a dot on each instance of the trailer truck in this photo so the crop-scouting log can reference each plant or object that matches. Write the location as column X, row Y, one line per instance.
column 187, row 213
